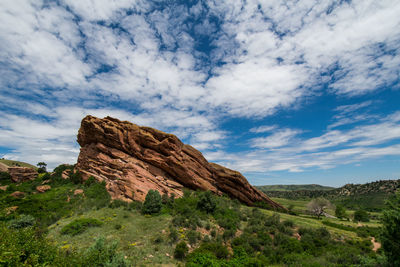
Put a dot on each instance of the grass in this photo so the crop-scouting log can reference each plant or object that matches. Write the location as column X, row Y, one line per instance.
column 15, row 163
column 138, row 236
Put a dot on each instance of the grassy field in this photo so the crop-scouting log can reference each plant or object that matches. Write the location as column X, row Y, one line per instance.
column 14, row 163
column 143, row 239
column 294, row 187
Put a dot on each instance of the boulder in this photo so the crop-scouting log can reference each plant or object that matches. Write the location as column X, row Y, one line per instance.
column 65, row 174
column 133, row 159
column 43, row 188
column 22, row 174
column 4, row 187
column 78, row 192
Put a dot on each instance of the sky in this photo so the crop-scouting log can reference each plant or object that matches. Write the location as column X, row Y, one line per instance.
column 286, row 92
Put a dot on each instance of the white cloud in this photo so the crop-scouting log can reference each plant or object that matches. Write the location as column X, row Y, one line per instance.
column 263, row 129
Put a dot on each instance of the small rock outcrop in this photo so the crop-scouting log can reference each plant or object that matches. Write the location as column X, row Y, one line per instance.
column 133, row 159
column 43, row 188
column 22, row 174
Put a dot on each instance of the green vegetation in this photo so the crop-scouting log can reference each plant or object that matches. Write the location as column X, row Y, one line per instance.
column 152, row 203
column 78, row 226
column 361, row 216
column 15, row 163
column 294, row 187
column 391, row 230
column 198, row 229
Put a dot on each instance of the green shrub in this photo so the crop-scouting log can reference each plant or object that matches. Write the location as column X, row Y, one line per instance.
column 91, row 180
column 22, row 222
column 78, row 226
column 203, row 259
column 117, row 203
column 173, row 234
column 117, row 226
column 76, row 178
column 5, row 176
column 215, row 248
column 361, row 216
column 207, row 202
column 192, row 237
column 24, row 247
column 181, row 250
column 103, row 254
column 152, row 203
column 391, row 229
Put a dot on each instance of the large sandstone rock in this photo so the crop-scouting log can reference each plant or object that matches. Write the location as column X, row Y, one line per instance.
column 22, row 174
column 132, row 160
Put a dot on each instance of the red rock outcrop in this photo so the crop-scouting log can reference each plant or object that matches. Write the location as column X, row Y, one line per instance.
column 133, row 159
column 43, row 188
column 22, row 174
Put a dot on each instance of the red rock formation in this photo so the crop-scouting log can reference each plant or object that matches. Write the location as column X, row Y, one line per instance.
column 132, row 160
column 22, row 174
column 43, row 188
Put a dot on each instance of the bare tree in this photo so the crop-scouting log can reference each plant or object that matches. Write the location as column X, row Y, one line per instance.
column 318, row 206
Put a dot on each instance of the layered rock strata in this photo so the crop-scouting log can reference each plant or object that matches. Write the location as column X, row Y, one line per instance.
column 22, row 174
column 133, row 159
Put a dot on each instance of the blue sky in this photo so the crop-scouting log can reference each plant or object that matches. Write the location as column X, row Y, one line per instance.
column 285, row 92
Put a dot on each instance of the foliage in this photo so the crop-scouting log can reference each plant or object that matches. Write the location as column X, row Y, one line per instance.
column 318, row 206
column 181, row 250
column 24, row 247
column 206, row 202
column 5, row 176
column 104, row 254
column 76, row 177
column 152, row 203
column 340, row 211
column 361, row 216
column 78, row 226
column 391, row 230
column 41, row 167
column 22, row 222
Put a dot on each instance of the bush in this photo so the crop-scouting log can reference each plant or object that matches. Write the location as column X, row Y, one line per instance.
column 152, row 203
column 215, row 248
column 180, row 250
column 192, row 237
column 173, row 234
column 24, row 247
column 5, row 176
column 22, row 222
column 76, row 178
column 391, row 230
column 103, row 254
column 78, row 226
column 361, row 216
column 207, row 202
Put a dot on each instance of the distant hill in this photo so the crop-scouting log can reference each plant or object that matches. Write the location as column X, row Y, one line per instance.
column 15, row 163
column 370, row 196
column 294, row 187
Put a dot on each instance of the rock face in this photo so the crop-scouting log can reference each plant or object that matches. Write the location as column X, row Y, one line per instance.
column 133, row 159
column 22, row 174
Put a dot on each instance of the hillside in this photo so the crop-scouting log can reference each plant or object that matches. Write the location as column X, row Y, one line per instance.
column 294, row 187
column 15, row 163
column 75, row 223
column 370, row 196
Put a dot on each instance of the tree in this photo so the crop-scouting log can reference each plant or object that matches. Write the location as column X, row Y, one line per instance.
column 41, row 167
column 361, row 216
column 340, row 212
column 152, row 203
column 318, row 206
column 391, row 230
column 207, row 202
